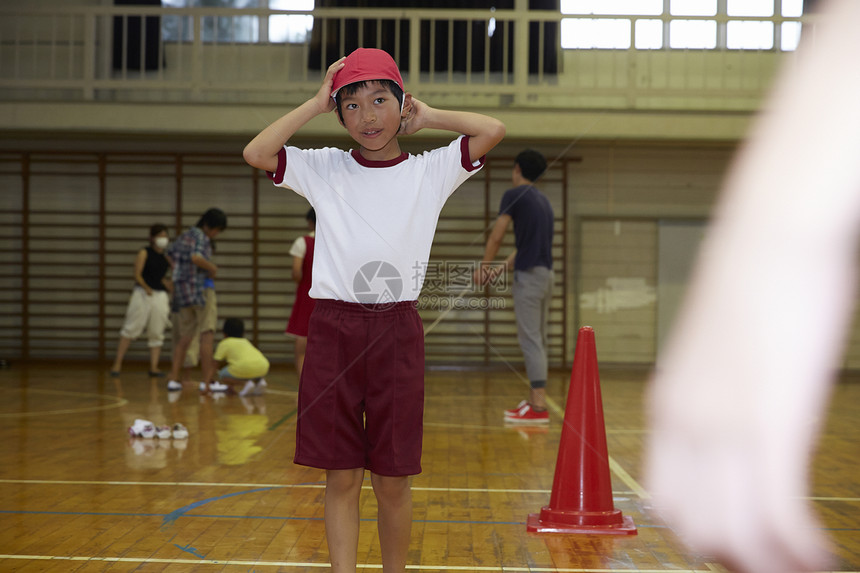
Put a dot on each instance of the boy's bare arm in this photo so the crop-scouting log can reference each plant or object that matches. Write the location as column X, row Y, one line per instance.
column 509, row 261
column 262, row 151
column 484, row 132
column 205, row 264
column 497, row 234
column 297, row 268
column 484, row 272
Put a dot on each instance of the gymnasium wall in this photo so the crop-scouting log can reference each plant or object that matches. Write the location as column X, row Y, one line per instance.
column 71, row 226
column 74, row 220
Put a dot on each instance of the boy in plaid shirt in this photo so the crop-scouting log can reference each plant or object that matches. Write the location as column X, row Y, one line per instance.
column 191, row 254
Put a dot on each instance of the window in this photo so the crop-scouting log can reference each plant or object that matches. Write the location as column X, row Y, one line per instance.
column 586, row 33
column 610, row 33
column 681, row 24
column 792, row 8
column 649, row 34
column 613, row 7
column 693, row 34
column 693, row 8
column 749, row 35
column 291, row 28
column 280, row 28
column 750, row 8
column 790, row 36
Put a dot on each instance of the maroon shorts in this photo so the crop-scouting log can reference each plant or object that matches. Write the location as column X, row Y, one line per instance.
column 361, row 396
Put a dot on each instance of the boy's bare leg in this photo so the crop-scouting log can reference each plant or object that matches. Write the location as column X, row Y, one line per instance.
column 342, row 489
column 394, row 522
column 186, row 373
column 537, row 398
column 207, row 363
column 179, row 351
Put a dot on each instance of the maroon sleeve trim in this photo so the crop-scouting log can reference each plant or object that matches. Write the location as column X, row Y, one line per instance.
column 278, row 176
column 465, row 160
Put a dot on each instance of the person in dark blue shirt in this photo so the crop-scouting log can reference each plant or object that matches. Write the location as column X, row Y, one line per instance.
column 532, row 215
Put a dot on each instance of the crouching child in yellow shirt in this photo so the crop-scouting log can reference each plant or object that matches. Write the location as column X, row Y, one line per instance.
column 240, row 361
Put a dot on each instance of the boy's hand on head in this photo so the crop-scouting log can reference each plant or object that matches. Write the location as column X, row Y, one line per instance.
column 323, row 97
column 414, row 115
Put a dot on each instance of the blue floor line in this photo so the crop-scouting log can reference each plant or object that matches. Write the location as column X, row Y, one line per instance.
column 179, row 513
column 292, row 518
column 283, row 419
column 171, row 517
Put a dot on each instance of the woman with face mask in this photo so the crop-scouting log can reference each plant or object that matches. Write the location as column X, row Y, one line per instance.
column 149, row 305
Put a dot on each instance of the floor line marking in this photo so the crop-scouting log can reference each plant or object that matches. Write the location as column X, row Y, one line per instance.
column 171, row 517
column 298, row 565
column 513, row 427
column 283, row 419
column 189, row 549
column 281, row 486
column 321, row 485
column 117, row 402
column 296, row 518
column 165, row 517
column 627, row 479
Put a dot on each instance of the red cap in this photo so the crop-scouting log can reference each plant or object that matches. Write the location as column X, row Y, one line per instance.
column 366, row 64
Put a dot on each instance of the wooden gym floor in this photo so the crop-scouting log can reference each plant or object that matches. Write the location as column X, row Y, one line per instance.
column 78, row 495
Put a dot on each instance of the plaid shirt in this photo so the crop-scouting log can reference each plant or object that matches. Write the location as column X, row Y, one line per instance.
column 188, row 278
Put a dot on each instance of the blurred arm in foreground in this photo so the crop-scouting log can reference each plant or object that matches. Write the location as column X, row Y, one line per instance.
column 739, row 395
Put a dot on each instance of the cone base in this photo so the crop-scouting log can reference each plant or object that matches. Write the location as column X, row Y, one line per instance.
column 535, row 525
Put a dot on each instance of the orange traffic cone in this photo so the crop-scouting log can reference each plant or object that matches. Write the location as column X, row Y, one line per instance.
column 581, row 500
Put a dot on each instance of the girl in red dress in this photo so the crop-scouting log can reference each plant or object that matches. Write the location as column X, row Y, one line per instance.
column 303, row 258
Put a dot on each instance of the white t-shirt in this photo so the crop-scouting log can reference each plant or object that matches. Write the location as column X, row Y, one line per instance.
column 375, row 219
column 300, row 247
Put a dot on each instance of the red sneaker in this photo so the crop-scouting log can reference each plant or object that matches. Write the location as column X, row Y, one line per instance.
column 515, row 411
column 527, row 415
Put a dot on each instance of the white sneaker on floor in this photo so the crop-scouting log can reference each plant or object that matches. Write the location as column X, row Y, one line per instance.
column 163, row 432
column 249, row 388
column 261, row 387
column 218, row 387
column 174, row 385
column 142, row 429
column 180, row 432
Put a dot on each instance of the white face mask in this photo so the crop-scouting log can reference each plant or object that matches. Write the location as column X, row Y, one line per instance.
column 161, row 242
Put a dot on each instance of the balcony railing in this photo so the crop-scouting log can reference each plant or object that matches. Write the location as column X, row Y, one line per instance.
column 496, row 58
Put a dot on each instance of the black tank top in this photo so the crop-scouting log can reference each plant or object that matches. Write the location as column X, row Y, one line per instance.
column 154, row 269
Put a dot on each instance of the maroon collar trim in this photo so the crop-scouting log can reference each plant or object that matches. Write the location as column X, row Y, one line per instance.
column 371, row 163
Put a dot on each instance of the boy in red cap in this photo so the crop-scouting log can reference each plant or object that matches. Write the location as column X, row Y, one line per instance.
column 361, row 394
